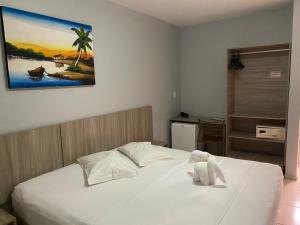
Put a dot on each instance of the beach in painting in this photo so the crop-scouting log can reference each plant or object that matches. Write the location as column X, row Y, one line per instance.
column 43, row 51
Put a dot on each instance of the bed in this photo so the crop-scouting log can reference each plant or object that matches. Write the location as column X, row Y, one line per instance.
column 163, row 194
column 48, row 187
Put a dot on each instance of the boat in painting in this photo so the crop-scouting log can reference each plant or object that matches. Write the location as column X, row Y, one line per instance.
column 37, row 72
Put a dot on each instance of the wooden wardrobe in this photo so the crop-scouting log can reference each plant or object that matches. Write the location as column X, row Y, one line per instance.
column 257, row 95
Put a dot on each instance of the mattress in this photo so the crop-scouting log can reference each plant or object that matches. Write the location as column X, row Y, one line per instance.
column 163, row 194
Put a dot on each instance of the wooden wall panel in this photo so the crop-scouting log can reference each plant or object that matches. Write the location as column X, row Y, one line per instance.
column 257, row 93
column 105, row 132
column 139, row 124
column 6, row 183
column 27, row 154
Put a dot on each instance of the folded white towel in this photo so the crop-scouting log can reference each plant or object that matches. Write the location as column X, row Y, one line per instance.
column 199, row 156
column 212, row 162
column 207, row 172
column 211, row 171
column 201, row 173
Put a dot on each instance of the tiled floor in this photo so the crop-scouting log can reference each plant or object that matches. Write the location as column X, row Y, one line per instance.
column 289, row 209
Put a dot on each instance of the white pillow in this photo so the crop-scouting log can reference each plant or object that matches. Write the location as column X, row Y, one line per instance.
column 105, row 166
column 143, row 153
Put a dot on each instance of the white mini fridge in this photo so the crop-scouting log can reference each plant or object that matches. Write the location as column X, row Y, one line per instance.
column 184, row 136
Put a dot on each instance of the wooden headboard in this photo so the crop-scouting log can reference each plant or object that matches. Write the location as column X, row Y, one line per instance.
column 105, row 132
column 27, row 154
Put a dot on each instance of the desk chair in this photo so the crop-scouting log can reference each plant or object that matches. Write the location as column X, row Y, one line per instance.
column 212, row 132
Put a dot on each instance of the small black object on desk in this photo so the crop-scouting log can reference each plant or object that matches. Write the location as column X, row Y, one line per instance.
column 184, row 115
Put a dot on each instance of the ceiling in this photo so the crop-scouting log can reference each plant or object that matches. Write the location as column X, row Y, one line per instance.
column 190, row 12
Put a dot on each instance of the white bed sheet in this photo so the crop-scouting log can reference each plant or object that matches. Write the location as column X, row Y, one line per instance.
column 163, row 194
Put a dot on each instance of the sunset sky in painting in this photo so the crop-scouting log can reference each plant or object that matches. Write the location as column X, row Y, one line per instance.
column 41, row 33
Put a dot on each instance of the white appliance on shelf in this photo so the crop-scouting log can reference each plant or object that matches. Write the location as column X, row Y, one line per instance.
column 184, row 136
column 270, row 132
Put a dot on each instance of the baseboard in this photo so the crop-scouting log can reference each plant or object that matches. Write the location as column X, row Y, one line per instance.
column 291, row 177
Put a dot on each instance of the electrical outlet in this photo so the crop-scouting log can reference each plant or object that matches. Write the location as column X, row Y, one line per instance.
column 174, row 94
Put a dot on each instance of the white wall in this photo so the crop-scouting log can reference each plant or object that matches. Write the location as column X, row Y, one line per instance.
column 294, row 102
column 204, row 47
column 136, row 61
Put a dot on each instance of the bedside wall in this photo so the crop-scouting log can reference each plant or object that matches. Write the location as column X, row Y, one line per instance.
column 203, row 64
column 136, row 62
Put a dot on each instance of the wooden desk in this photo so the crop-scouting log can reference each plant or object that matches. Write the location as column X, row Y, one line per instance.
column 197, row 119
column 212, row 132
column 191, row 119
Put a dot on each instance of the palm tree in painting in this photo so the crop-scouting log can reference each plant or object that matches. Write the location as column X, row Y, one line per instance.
column 82, row 42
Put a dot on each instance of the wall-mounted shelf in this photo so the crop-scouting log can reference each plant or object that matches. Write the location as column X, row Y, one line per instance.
column 251, row 136
column 252, row 116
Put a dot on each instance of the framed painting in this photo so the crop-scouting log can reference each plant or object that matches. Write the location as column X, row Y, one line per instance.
column 43, row 51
